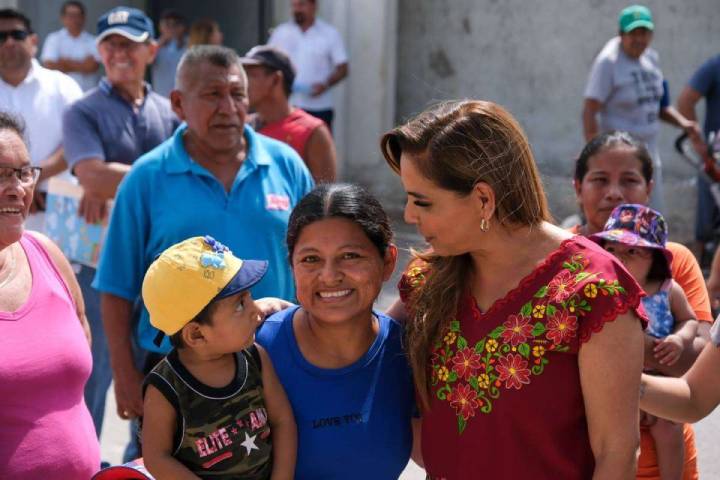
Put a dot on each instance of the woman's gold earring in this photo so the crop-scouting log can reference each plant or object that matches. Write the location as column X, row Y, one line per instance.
column 484, row 224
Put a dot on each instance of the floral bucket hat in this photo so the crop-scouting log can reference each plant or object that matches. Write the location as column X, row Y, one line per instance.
column 638, row 226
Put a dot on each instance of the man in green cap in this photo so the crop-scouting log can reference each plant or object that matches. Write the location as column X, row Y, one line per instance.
column 627, row 89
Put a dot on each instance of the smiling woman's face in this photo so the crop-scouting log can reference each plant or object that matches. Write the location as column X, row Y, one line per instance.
column 614, row 176
column 15, row 197
column 338, row 270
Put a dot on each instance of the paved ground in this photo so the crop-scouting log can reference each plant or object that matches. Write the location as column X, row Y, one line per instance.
column 115, row 433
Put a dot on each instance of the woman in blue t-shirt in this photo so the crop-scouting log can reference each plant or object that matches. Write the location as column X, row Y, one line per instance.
column 342, row 363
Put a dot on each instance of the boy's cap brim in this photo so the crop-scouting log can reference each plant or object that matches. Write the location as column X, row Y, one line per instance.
column 251, row 272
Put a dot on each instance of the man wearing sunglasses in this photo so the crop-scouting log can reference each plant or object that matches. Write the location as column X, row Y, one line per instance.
column 38, row 95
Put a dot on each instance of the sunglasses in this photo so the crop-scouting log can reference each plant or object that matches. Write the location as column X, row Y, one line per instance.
column 17, row 35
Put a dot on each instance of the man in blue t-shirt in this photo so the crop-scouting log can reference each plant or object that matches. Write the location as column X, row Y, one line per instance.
column 216, row 177
column 705, row 82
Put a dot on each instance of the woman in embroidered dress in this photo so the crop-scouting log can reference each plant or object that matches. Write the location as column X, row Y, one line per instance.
column 615, row 168
column 525, row 340
column 45, row 360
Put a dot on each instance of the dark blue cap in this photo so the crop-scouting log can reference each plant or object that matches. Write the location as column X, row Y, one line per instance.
column 131, row 23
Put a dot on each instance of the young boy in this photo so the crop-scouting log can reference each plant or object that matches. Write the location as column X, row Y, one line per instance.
column 209, row 406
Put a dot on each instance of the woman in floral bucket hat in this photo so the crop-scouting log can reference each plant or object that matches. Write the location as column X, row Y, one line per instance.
column 637, row 234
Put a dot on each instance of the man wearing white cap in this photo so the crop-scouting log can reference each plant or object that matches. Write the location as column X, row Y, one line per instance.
column 104, row 133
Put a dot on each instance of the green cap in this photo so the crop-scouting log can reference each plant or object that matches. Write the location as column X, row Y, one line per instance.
column 636, row 16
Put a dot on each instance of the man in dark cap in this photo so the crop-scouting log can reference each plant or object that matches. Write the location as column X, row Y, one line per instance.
column 270, row 78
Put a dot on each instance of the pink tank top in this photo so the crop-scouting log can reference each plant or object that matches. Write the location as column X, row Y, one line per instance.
column 46, row 431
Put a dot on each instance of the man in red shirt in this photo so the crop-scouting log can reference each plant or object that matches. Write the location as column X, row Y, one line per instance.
column 270, row 77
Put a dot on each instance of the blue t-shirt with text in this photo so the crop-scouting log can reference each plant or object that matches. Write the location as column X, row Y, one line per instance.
column 353, row 422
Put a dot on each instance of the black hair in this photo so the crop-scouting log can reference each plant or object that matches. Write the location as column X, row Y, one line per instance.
column 607, row 141
column 287, row 82
column 341, row 200
column 12, row 14
column 172, row 14
column 660, row 269
column 9, row 121
column 72, row 3
column 202, row 318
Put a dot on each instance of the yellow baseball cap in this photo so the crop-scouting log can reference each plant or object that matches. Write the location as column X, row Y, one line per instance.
column 189, row 275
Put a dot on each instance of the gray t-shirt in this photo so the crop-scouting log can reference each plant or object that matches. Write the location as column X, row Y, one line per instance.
column 715, row 334
column 629, row 89
column 104, row 125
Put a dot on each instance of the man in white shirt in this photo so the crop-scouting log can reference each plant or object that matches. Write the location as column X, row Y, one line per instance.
column 71, row 49
column 171, row 47
column 318, row 53
column 38, row 95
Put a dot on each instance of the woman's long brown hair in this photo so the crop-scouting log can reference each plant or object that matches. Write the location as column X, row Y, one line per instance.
column 456, row 145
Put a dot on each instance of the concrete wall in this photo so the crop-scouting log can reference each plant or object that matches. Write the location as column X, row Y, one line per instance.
column 534, row 59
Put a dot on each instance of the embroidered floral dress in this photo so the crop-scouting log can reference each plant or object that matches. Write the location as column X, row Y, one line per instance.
column 506, row 399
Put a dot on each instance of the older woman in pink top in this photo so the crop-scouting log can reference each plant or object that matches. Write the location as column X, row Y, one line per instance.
column 45, row 428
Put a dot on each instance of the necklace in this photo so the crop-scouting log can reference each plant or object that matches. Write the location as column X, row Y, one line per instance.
column 10, row 269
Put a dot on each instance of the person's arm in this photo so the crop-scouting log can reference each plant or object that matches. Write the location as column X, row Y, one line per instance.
column 320, row 155
column 687, row 399
column 667, row 351
column 416, row 452
column 282, row 421
column 86, row 65
column 338, row 74
column 270, row 305
column 68, row 275
column 686, row 102
column 598, row 90
column 68, row 65
column 117, row 320
column 159, row 424
column 99, row 180
column 671, row 116
column 713, row 283
column 591, row 107
column 53, row 164
column 397, row 311
column 610, row 367
column 686, row 272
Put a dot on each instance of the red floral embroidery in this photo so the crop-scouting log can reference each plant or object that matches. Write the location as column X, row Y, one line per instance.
column 513, row 371
column 464, row 400
column 471, row 374
column 517, row 330
column 560, row 287
column 561, row 327
column 466, row 363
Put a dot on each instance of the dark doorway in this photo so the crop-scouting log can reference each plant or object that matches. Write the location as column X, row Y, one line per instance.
column 244, row 23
